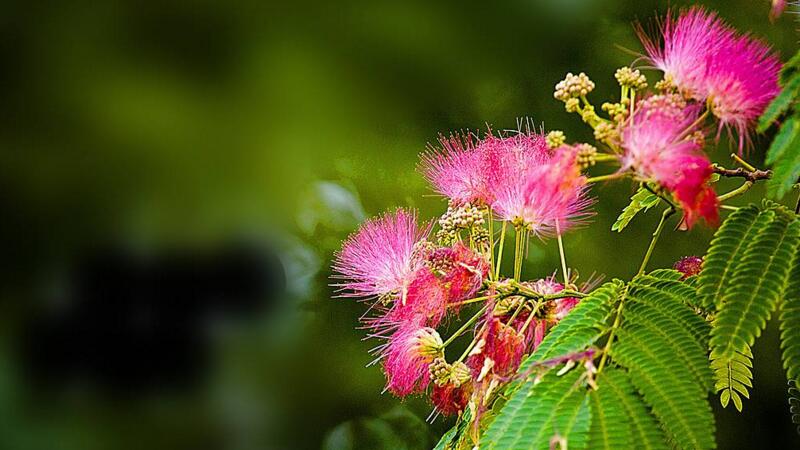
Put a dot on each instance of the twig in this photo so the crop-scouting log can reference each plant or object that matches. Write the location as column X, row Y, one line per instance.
column 741, row 172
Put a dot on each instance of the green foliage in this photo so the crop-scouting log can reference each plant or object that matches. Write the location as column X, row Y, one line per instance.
column 758, row 279
column 556, row 407
column 725, row 252
column 580, row 328
column 784, row 153
column 733, row 377
column 790, row 324
column 794, row 403
column 780, row 104
column 620, row 418
column 786, row 169
column 652, row 392
column 670, row 375
column 783, row 140
column 641, row 200
column 452, row 438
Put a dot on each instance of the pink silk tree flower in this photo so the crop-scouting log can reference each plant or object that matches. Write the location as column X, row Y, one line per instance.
column 379, row 259
column 455, row 170
column 551, row 198
column 426, row 301
column 505, row 160
column 465, row 273
column 466, row 169
column 501, row 350
column 659, row 146
column 707, row 60
column 742, row 81
column 407, row 356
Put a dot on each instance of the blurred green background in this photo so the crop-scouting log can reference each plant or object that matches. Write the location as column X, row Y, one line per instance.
column 187, row 124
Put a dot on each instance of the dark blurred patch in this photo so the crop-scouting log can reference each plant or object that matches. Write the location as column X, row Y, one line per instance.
column 132, row 323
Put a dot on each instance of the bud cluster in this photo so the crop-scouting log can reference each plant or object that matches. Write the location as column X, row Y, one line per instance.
column 555, row 139
column 587, row 155
column 573, row 86
column 666, row 85
column 457, row 218
column 455, row 374
column 606, row 132
column 630, row 78
column 617, row 111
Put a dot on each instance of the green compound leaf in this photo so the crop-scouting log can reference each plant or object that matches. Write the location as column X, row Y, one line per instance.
column 757, row 283
column 790, row 324
column 580, row 328
column 785, row 152
column 620, row 418
column 660, row 307
column 783, row 140
column 663, row 361
column 557, row 407
column 780, row 104
column 725, row 252
column 641, row 200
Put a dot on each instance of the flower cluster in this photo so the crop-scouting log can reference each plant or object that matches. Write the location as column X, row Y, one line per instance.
column 419, row 278
column 706, row 60
column 416, row 279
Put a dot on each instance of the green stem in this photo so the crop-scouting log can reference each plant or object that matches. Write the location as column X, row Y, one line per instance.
column 600, row 157
column 744, row 163
column 561, row 254
column 610, row 176
column 499, row 260
column 464, row 327
column 472, row 300
column 491, row 243
column 664, row 216
column 738, row 191
column 518, row 251
column 531, row 316
column 614, row 326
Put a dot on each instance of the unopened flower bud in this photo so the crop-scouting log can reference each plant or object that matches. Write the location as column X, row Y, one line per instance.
column 573, row 86
column 605, row 132
column 460, row 374
column 440, row 371
column 555, row 139
column 588, row 115
column 587, row 155
column 632, row 78
column 428, row 343
column 666, row 85
column 572, row 105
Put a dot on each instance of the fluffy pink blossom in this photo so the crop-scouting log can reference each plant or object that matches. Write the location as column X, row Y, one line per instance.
column 551, row 197
column 660, row 146
column 466, row 270
column 426, row 301
column 450, row 274
column 379, row 258
column 411, row 349
column 707, row 60
column 466, row 169
column 742, row 81
column 505, row 160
